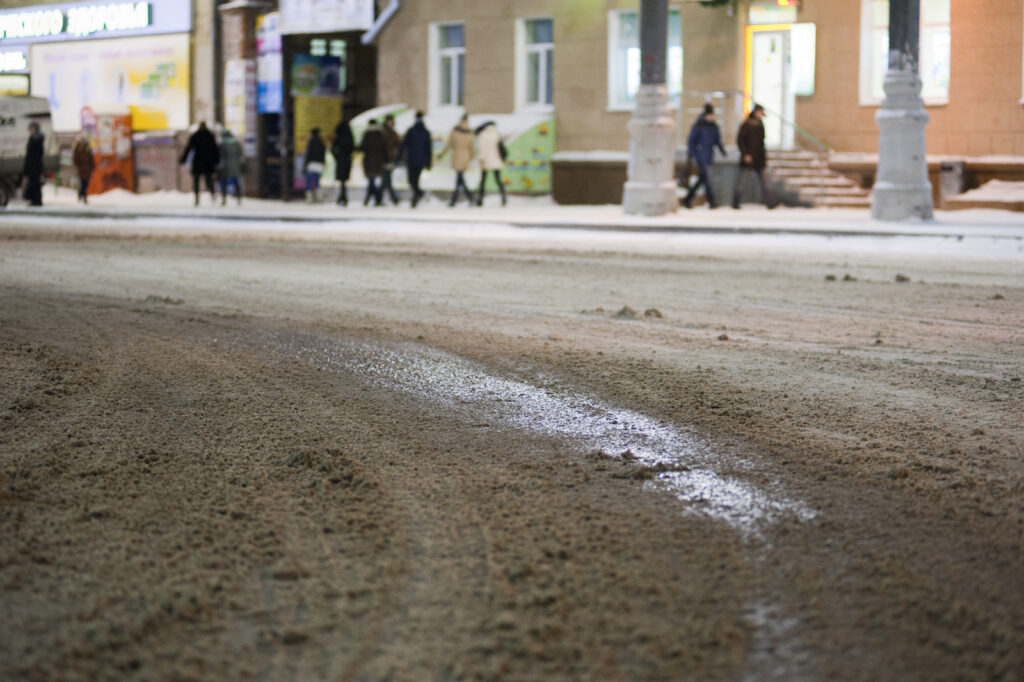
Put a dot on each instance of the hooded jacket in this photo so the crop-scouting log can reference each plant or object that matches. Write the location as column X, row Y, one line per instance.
column 342, row 147
column 704, row 137
column 230, row 155
column 489, row 142
column 205, row 154
column 375, row 151
column 460, row 141
column 417, row 146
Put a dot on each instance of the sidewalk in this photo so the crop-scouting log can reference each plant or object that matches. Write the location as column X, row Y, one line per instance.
column 524, row 212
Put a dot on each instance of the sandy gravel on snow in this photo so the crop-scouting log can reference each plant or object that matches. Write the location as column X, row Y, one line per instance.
column 180, row 498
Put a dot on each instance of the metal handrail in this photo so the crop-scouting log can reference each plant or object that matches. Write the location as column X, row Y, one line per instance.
column 739, row 110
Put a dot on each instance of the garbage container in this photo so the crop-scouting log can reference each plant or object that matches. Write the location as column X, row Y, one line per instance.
column 951, row 179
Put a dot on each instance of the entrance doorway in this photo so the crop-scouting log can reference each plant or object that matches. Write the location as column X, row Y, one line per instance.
column 770, row 81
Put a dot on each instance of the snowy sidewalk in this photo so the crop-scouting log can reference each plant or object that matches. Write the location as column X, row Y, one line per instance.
column 524, row 212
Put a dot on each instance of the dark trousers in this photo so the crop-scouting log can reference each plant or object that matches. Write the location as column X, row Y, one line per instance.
column 386, row 186
column 414, row 183
column 343, row 193
column 460, row 181
column 374, row 191
column 741, row 181
column 703, row 178
column 208, row 177
column 83, row 187
column 34, row 189
column 483, row 184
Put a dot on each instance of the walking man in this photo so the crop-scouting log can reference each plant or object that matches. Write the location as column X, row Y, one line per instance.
column 32, row 168
column 417, row 150
column 313, row 167
column 752, row 156
column 202, row 146
column 392, row 143
column 700, row 149
column 375, row 157
column 230, row 166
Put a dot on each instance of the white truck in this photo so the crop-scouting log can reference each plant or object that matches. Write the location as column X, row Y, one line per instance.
column 15, row 115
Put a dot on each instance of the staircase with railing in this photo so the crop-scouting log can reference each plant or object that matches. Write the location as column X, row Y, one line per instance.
column 805, row 173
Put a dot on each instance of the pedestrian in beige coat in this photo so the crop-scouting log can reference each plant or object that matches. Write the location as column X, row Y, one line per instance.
column 492, row 159
column 460, row 142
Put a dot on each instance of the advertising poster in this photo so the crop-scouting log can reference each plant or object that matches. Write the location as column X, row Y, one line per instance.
column 111, row 135
column 240, row 102
column 150, row 73
column 316, row 76
column 325, row 16
column 268, row 63
column 528, row 167
column 313, row 112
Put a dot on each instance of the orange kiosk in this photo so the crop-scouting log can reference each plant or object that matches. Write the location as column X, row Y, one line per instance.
column 110, row 131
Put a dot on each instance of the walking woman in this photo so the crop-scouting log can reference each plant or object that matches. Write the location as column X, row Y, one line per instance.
column 342, row 147
column 85, row 165
column 460, row 142
column 492, row 159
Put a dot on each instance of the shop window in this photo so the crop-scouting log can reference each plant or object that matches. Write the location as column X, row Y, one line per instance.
column 624, row 57
column 447, row 65
column 933, row 58
column 535, row 46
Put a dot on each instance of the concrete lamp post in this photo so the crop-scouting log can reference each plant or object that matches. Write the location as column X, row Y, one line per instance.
column 901, row 188
column 650, row 186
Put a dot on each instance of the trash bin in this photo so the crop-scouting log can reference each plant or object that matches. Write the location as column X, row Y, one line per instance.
column 951, row 179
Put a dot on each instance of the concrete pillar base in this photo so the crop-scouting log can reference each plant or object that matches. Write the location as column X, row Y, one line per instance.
column 650, row 188
column 901, row 188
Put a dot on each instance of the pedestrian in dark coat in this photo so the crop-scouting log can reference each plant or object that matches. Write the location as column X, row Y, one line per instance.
column 392, row 143
column 32, row 168
column 202, row 145
column 342, row 147
column 85, row 165
column 700, row 149
column 752, row 156
column 313, row 166
column 375, row 157
column 418, row 152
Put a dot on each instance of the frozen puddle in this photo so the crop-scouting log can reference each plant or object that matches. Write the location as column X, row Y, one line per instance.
column 474, row 395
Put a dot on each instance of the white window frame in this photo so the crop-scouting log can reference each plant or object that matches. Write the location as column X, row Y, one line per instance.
column 867, row 59
column 615, row 70
column 435, row 54
column 522, row 56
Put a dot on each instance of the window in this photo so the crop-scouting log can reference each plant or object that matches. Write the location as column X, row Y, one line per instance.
column 933, row 58
column 535, row 48
column 447, row 65
column 624, row 57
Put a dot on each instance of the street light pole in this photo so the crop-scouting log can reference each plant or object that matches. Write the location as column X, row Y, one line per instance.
column 901, row 188
column 650, row 188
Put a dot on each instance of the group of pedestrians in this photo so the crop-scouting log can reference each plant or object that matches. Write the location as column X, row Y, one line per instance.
column 383, row 150
column 700, row 149
column 209, row 160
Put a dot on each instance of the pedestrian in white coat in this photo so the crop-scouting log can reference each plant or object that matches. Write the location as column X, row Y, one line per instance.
column 492, row 158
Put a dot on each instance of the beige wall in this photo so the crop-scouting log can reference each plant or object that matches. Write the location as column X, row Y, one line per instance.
column 710, row 44
column 984, row 114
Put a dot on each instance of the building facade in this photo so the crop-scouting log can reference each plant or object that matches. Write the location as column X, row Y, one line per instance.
column 817, row 66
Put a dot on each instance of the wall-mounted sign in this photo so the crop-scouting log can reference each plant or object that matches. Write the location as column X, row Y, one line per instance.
column 14, row 60
column 316, row 76
column 325, row 16
column 151, row 74
column 77, row 21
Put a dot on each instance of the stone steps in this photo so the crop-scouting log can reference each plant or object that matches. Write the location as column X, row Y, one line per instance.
column 807, row 175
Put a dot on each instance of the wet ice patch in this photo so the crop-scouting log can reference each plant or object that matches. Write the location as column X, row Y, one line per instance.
column 474, row 394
